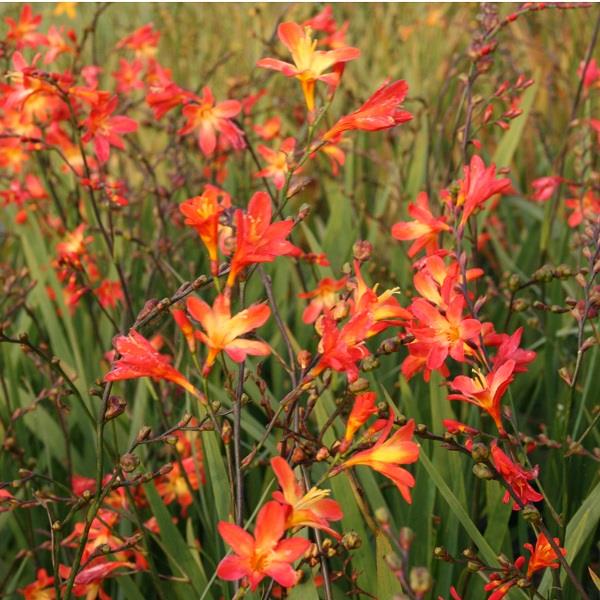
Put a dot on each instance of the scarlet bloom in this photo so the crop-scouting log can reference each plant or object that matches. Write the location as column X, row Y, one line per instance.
column 263, row 555
column 455, row 427
column 444, row 334
column 587, row 207
column 105, row 130
column 222, row 331
column 186, row 327
column 138, row 358
column 590, row 75
column 310, row 65
column 362, row 409
column 478, row 184
column 544, row 187
column 269, row 129
column 383, row 309
column 341, row 348
column 40, row 589
column 543, row 555
column 89, row 580
column 388, row 453
column 485, row 391
column 143, row 41
column 203, row 213
column 516, row 476
column 173, row 486
column 425, row 228
column 381, row 111
column 257, row 239
column 23, row 32
column 323, row 297
column 310, row 509
column 211, row 118
column 278, row 161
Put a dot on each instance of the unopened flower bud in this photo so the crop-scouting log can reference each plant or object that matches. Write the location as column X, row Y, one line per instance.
column 303, row 358
column 473, row 566
column 420, row 580
column 143, row 434
column 351, row 540
column 482, row 471
column 531, row 514
column 115, row 407
column 406, row 537
column 480, row 452
column 226, row 431
column 382, row 516
column 129, row 462
column 322, row 454
column 362, row 250
column 360, row 385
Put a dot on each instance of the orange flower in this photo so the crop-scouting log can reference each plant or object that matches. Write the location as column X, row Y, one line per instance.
column 277, row 161
column 257, row 239
column 140, row 359
column 143, row 41
column 186, row 327
column 310, row 509
column 425, row 229
column 173, row 486
column 341, row 348
column 310, row 64
column 384, row 309
column 387, row 454
column 381, row 111
column 478, row 185
column 516, row 476
column 324, row 297
column 41, row 589
column 444, row 334
column 485, row 391
column 543, row 555
column 104, row 129
column 203, row 213
column 210, row 118
column 23, row 32
column 222, row 331
column 263, row 555
column 269, row 129
column 363, row 408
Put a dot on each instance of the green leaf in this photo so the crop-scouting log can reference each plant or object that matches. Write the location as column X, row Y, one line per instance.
column 387, row 582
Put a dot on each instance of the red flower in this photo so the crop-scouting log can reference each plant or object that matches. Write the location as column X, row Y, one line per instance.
column 516, row 476
column 128, row 76
column 340, row 349
column 324, row 297
column 263, row 555
column 363, row 408
column 485, row 391
column 278, row 161
column 173, row 486
column 478, row 185
column 222, row 331
column 210, row 118
column 544, row 187
column 309, row 64
column 591, row 75
column 586, row 208
column 88, row 581
column 310, row 509
column 542, row 555
column 425, row 228
column 257, row 239
column 381, row 111
column 105, row 130
column 143, row 41
column 41, row 589
column 140, row 359
column 23, row 32
column 203, row 213
column 444, row 334
column 388, row 453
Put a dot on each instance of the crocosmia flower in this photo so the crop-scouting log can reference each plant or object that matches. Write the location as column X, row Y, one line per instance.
column 310, row 509
column 516, row 476
column 222, row 332
column 138, row 358
column 210, row 118
column 265, row 554
column 310, row 65
column 542, row 555
column 388, row 453
column 381, row 111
